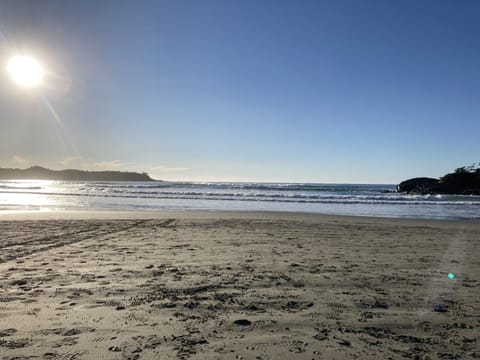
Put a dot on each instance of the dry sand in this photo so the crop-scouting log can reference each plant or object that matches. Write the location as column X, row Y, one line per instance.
column 237, row 286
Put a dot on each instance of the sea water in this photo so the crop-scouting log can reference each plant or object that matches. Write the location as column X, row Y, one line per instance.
column 343, row 199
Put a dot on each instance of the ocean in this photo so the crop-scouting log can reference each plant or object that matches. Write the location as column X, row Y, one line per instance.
column 341, row 199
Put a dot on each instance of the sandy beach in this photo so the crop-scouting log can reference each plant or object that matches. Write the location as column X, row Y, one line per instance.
column 251, row 285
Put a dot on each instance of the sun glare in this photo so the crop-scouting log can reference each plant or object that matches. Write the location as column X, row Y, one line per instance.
column 25, row 71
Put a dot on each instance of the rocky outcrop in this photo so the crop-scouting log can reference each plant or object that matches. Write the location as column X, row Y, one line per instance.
column 420, row 185
column 464, row 181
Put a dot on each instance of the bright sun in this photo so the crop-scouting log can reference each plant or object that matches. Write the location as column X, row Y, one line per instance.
column 25, row 71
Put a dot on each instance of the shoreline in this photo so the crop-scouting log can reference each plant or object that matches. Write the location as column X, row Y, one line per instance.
column 341, row 199
column 6, row 215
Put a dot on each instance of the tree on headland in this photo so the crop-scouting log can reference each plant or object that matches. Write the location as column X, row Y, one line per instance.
column 465, row 180
column 468, row 169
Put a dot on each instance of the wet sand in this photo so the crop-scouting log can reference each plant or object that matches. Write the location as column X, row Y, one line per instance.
column 211, row 285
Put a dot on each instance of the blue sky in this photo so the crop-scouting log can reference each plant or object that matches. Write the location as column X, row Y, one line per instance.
column 317, row 91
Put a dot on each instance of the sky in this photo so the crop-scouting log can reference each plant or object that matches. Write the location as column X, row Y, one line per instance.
column 340, row 91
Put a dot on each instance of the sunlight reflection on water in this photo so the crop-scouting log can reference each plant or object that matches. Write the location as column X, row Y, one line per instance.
column 29, row 201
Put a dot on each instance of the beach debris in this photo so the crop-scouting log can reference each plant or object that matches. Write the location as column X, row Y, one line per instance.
column 408, row 339
column 185, row 345
column 120, row 307
column 322, row 334
column 380, row 304
column 167, row 305
column 345, row 343
column 298, row 305
column 7, row 332
column 191, row 305
column 14, row 344
column 242, row 322
column 440, row 308
column 253, row 307
column 298, row 347
column 114, row 348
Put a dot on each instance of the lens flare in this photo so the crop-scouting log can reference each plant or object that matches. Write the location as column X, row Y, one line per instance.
column 25, row 71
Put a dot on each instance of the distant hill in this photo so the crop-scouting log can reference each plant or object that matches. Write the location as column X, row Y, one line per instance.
column 40, row 173
column 463, row 181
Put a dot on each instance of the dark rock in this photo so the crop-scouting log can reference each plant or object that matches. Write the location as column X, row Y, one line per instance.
column 19, row 282
column 242, row 322
column 420, row 185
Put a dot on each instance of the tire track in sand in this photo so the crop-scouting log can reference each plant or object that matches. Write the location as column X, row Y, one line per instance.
column 46, row 243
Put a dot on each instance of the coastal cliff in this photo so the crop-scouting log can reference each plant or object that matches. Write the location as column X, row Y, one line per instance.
column 40, row 173
column 463, row 181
